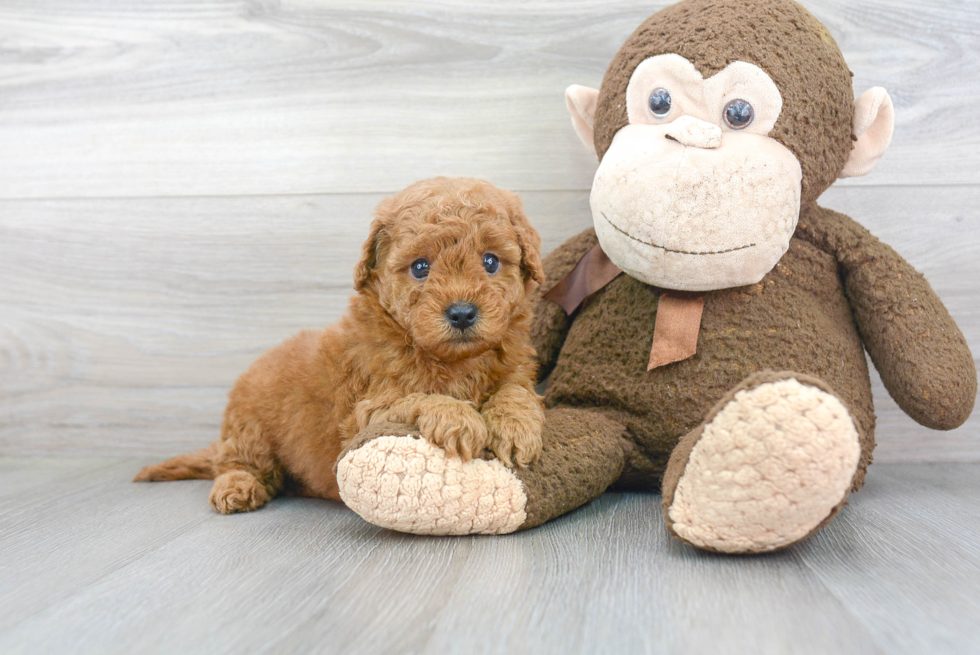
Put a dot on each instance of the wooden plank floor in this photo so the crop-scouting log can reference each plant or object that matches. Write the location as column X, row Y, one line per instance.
column 91, row 563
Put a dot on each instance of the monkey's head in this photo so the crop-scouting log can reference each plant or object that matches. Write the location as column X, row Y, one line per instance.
column 716, row 121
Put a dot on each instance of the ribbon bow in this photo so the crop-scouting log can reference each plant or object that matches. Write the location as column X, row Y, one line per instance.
column 675, row 333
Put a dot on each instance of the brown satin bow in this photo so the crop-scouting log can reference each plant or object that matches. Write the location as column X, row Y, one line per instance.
column 675, row 332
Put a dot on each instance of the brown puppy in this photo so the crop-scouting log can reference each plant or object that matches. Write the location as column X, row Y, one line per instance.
column 436, row 336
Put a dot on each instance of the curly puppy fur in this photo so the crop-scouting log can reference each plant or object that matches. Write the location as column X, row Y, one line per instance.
column 394, row 356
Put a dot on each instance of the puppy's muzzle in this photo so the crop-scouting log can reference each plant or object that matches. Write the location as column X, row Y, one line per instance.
column 462, row 315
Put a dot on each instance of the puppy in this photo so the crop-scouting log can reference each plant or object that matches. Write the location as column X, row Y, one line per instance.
column 436, row 336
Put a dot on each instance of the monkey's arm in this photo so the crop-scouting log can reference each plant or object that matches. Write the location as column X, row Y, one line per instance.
column 550, row 323
column 923, row 358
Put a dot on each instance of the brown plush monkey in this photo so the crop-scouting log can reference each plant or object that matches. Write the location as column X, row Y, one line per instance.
column 707, row 337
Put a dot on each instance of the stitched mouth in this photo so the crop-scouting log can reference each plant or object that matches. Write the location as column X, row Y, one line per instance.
column 680, row 252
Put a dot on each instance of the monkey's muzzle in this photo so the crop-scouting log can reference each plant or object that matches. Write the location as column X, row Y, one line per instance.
column 689, row 207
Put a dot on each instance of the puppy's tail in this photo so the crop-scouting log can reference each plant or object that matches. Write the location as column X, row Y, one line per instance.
column 192, row 466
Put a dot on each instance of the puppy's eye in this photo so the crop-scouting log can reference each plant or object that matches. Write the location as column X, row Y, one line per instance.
column 420, row 269
column 491, row 263
column 738, row 114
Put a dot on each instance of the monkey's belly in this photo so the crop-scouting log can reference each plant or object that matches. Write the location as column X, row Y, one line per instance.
column 796, row 319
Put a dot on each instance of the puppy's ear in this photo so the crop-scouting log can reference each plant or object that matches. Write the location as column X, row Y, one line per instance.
column 530, row 242
column 371, row 253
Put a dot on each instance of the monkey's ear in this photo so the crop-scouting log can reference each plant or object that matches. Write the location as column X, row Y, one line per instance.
column 370, row 254
column 874, row 122
column 581, row 102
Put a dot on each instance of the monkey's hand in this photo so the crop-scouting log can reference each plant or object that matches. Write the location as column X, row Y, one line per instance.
column 921, row 354
column 452, row 424
column 515, row 418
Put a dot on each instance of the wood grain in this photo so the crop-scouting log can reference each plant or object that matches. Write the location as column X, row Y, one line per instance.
column 61, row 537
column 94, row 563
column 236, row 97
column 124, row 322
column 914, row 536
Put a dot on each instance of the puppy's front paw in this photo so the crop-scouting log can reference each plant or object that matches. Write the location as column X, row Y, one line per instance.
column 455, row 426
column 515, row 419
column 514, row 440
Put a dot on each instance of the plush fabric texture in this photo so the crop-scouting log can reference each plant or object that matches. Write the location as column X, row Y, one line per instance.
column 772, row 463
column 920, row 352
column 395, row 479
column 408, row 484
column 691, row 218
column 584, row 452
column 814, row 80
column 836, row 290
column 797, row 319
column 695, row 133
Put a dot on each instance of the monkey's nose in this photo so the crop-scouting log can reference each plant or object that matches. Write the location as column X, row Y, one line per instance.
column 462, row 315
column 694, row 132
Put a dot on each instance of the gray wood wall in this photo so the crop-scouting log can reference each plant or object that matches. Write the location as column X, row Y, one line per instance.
column 184, row 183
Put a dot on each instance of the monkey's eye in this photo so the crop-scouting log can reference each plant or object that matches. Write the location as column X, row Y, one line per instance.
column 491, row 263
column 420, row 269
column 738, row 114
column 660, row 102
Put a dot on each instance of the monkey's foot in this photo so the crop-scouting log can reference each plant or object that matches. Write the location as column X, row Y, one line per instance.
column 769, row 468
column 408, row 484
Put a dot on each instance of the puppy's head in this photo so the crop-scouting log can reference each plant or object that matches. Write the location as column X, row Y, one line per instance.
column 452, row 261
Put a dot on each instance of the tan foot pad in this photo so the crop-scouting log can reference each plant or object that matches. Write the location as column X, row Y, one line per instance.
column 409, row 485
column 767, row 471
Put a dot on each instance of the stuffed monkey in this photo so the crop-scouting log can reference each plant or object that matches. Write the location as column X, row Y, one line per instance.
column 706, row 338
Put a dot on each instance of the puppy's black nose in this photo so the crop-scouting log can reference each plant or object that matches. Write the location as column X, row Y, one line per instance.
column 461, row 315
